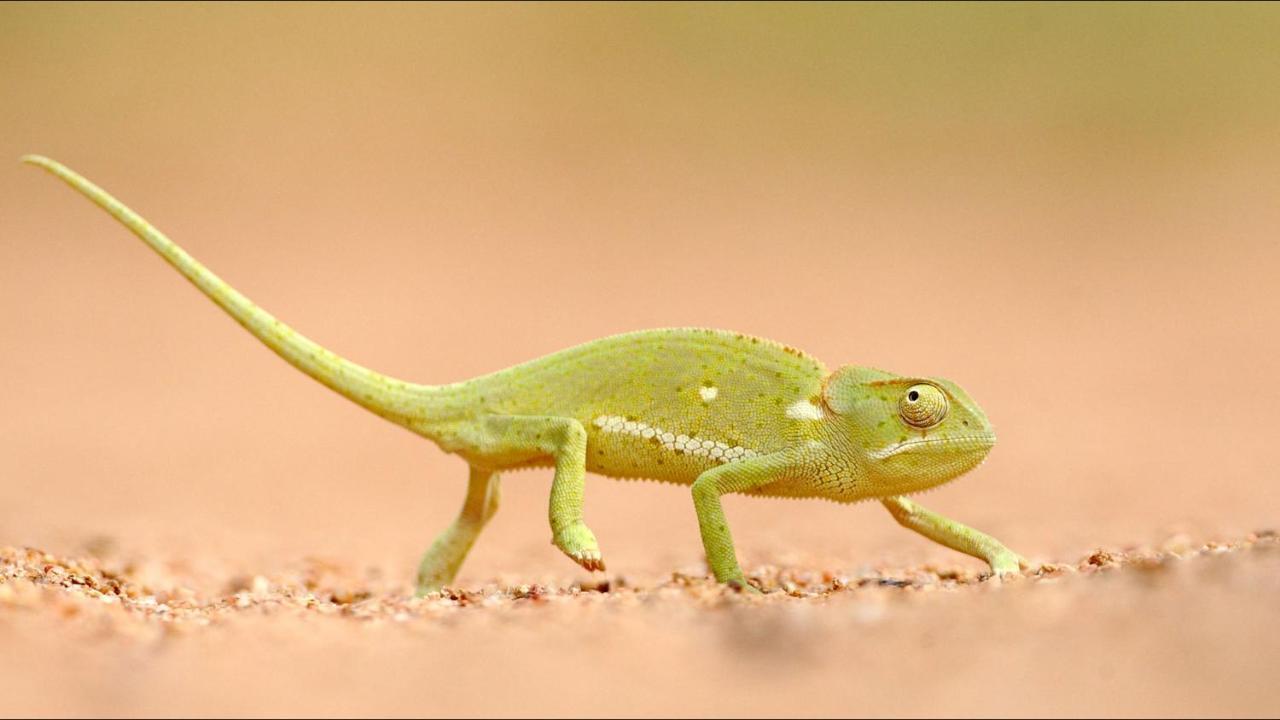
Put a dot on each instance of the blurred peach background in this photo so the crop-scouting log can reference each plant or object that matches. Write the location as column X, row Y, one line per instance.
column 442, row 191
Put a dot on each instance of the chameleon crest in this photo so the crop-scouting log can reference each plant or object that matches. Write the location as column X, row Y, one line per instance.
column 719, row 411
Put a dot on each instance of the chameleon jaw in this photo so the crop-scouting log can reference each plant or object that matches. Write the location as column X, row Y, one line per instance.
column 967, row 442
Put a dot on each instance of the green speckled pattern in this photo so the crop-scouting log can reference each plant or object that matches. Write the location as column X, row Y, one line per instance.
column 717, row 387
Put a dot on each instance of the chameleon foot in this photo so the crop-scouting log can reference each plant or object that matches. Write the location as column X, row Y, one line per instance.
column 579, row 543
column 1007, row 564
column 742, row 586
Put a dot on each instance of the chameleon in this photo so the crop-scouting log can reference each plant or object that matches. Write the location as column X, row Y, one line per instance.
column 719, row 411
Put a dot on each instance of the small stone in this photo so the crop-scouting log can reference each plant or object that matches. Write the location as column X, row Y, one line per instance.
column 260, row 587
column 1101, row 558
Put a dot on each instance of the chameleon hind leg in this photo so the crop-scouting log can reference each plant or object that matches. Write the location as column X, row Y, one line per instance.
column 515, row 440
column 952, row 534
column 440, row 563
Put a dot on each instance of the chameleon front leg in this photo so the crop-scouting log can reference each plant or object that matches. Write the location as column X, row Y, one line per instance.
column 440, row 564
column 952, row 534
column 521, row 438
column 734, row 477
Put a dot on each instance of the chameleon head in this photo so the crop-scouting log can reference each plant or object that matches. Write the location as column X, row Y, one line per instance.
column 906, row 434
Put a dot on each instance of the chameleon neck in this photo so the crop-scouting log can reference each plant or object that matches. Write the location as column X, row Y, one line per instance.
column 395, row 400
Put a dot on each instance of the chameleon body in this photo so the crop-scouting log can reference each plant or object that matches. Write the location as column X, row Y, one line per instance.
column 719, row 411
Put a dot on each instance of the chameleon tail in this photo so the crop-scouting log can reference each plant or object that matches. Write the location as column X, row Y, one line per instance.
column 395, row 400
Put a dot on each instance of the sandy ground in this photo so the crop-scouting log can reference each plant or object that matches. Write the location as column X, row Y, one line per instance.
column 1180, row 629
column 1088, row 191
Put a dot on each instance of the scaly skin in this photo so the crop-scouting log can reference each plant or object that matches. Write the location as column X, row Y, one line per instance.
column 719, row 411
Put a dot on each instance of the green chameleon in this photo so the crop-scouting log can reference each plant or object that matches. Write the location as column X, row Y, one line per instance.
column 720, row 411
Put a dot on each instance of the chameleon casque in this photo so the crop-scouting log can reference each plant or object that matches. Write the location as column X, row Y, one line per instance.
column 720, row 411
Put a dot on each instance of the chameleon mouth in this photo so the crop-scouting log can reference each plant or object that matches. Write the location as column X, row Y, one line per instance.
column 965, row 442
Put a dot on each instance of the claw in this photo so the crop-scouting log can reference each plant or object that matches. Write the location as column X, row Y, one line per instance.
column 579, row 544
column 590, row 561
column 1004, row 575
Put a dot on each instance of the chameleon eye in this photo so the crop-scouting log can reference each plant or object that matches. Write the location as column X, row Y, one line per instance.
column 923, row 406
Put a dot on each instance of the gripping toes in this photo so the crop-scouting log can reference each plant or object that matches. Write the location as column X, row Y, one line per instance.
column 579, row 543
column 1006, row 564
